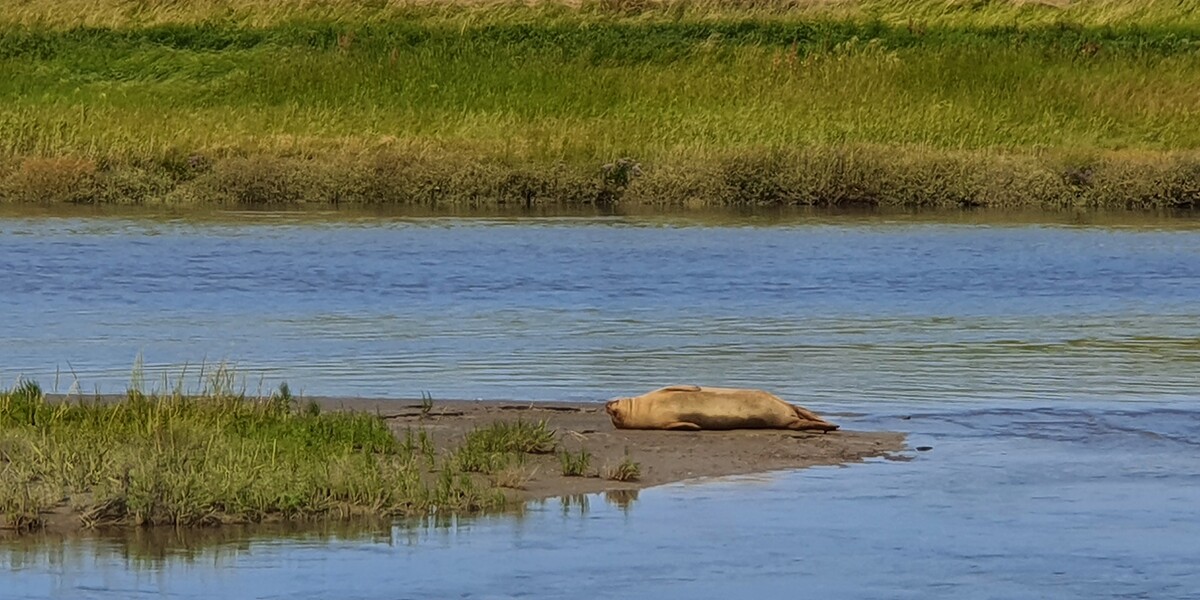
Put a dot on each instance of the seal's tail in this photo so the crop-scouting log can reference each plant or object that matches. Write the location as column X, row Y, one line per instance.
column 810, row 420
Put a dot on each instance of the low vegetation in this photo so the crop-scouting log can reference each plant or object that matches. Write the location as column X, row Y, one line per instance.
column 492, row 448
column 626, row 470
column 575, row 465
column 214, row 458
column 220, row 456
column 604, row 103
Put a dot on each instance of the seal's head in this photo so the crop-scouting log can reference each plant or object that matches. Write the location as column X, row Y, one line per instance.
column 618, row 410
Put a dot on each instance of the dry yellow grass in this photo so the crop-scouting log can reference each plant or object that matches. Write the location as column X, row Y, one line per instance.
column 258, row 13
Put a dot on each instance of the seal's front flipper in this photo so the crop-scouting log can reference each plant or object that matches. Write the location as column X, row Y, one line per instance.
column 682, row 426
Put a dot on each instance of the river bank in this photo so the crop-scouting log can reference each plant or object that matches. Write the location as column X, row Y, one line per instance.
column 219, row 458
column 662, row 456
column 673, row 105
column 830, row 177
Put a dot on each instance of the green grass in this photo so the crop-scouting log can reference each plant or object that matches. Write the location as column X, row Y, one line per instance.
column 492, row 448
column 554, row 92
column 575, row 465
column 213, row 458
column 626, row 470
column 339, row 102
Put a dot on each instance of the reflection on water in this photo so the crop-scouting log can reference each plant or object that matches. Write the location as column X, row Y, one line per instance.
column 154, row 548
column 622, row 499
column 731, row 216
column 1010, row 503
column 120, row 563
column 157, row 548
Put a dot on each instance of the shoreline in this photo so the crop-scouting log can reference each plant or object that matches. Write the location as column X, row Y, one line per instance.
column 451, row 428
column 665, row 456
column 831, row 177
column 737, row 216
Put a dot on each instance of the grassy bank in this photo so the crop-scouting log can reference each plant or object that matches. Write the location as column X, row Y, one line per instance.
column 222, row 458
column 674, row 104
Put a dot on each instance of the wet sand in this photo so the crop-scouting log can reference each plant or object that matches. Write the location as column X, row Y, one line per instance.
column 664, row 456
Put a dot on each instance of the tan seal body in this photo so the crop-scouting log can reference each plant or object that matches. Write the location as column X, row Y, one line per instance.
column 691, row 407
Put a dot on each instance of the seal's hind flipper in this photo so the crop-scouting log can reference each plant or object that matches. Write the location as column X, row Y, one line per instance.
column 681, row 388
column 682, row 426
column 806, row 425
column 810, row 420
column 806, row 414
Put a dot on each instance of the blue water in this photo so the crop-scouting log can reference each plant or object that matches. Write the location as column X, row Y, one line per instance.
column 1052, row 368
column 1010, row 503
column 831, row 312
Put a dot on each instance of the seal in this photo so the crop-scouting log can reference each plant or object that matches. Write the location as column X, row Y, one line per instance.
column 693, row 408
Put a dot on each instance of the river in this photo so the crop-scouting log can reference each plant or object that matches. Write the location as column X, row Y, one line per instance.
column 1053, row 364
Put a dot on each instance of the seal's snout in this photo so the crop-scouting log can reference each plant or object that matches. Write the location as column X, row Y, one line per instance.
column 612, row 407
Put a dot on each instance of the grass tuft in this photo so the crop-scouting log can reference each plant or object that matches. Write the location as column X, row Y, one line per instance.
column 626, row 470
column 513, row 476
column 426, row 404
column 514, row 436
column 497, row 446
column 575, row 465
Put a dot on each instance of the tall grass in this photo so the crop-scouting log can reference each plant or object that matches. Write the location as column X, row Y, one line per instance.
column 140, row 13
column 191, row 102
column 549, row 92
column 217, row 457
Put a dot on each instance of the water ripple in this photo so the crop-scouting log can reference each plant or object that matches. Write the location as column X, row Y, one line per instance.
column 833, row 313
